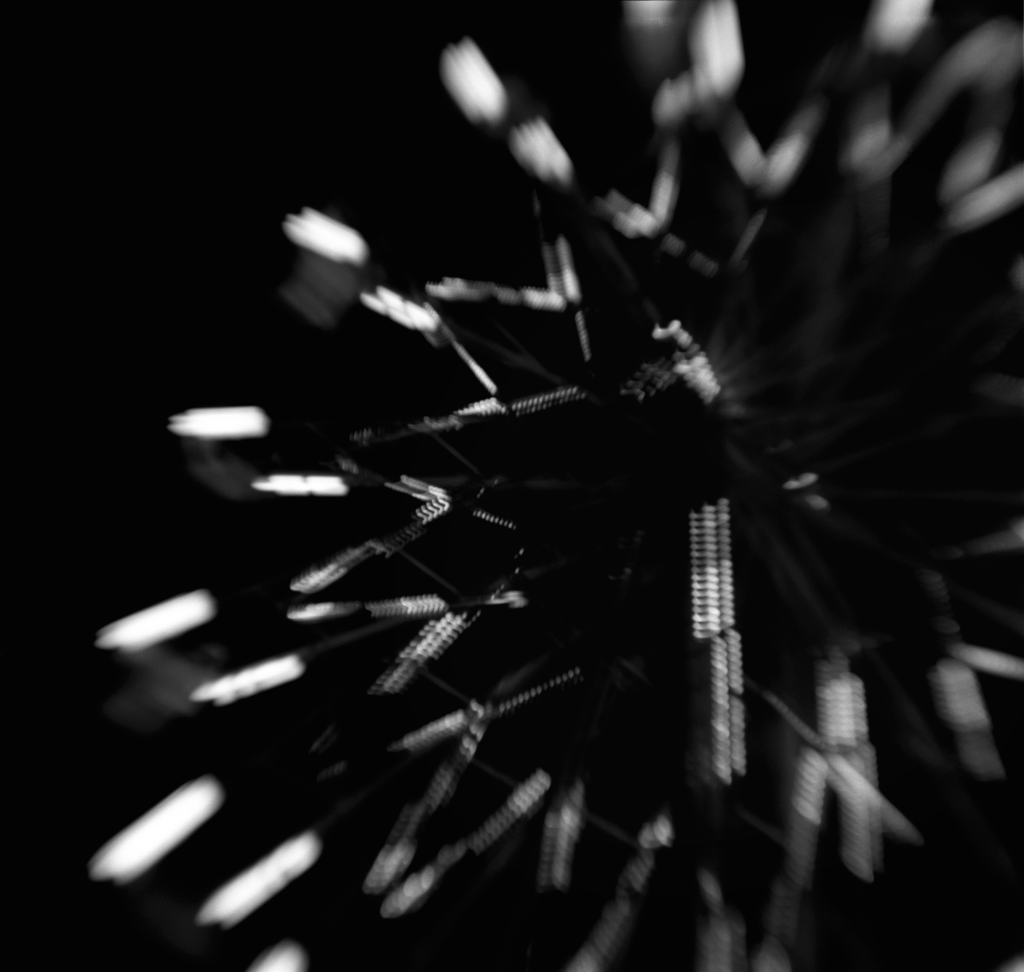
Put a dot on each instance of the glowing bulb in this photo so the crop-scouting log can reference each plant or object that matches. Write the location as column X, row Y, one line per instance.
column 253, row 888
column 472, row 83
column 286, row 956
column 321, row 234
column 155, row 834
column 249, row 681
column 221, row 423
column 159, row 623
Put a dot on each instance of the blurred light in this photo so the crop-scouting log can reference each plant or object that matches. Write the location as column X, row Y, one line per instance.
column 410, row 895
column 221, row 423
column 159, row 623
column 249, row 681
column 251, row 889
column 673, row 101
column 416, row 317
column 298, row 485
column 893, row 25
column 799, row 482
column 154, row 835
column 472, row 83
column 786, row 157
column 286, row 956
column 322, row 575
column 658, row 833
column 990, row 662
column 743, row 148
column 309, row 613
column 717, row 49
column 970, row 165
column 539, row 152
column 562, row 827
column 570, row 282
column 408, row 606
column 478, row 372
column 433, row 639
column 844, row 774
column 433, row 732
column 988, row 202
column 321, row 234
column 648, row 13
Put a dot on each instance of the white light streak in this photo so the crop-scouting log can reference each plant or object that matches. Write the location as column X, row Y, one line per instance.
column 155, row 834
column 562, row 827
column 286, row 956
column 253, row 888
column 248, row 422
column 416, row 317
column 249, row 681
column 321, row 234
column 536, row 148
column 989, row 661
column 787, row 156
column 311, row 613
column 988, row 202
column 472, row 83
column 159, row 623
column 717, row 49
column 289, row 484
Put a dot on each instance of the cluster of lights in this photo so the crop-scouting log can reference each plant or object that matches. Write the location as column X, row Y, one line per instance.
column 456, row 289
column 486, row 407
column 415, row 890
column 322, row 575
column 605, row 941
column 416, row 317
column 713, row 623
column 960, row 704
column 571, row 677
column 400, row 847
column 545, row 400
column 433, row 639
column 842, row 722
column 955, row 688
column 432, row 733
column 562, row 826
column 417, row 606
column 496, row 520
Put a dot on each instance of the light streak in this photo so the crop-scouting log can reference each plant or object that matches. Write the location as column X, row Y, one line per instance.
column 155, row 834
column 159, row 623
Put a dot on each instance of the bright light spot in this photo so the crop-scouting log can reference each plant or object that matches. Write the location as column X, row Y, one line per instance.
column 322, row 612
column 326, row 236
column 154, row 835
column 539, row 152
column 249, row 681
column 295, row 485
column 472, row 83
column 971, row 165
column 673, row 101
column 804, row 479
column 410, row 895
column 717, row 48
column 416, row 317
column 159, row 623
column 221, row 423
column 893, row 25
column 241, row 896
column 994, row 199
column 286, row 956
column 992, row 662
